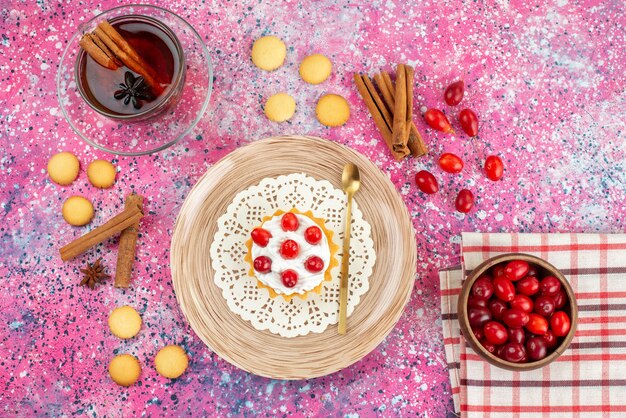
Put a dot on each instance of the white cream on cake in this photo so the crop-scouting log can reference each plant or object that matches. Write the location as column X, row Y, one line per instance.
column 306, row 280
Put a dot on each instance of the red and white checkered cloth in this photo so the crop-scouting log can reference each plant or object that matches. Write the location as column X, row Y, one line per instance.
column 589, row 379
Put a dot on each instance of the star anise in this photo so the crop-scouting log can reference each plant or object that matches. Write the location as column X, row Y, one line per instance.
column 133, row 89
column 94, row 274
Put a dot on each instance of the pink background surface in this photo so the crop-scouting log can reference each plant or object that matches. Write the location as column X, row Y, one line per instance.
column 546, row 81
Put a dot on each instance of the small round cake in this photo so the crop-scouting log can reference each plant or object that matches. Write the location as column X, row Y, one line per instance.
column 291, row 253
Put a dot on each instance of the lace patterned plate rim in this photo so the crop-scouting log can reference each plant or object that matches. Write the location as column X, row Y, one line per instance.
column 316, row 311
column 262, row 352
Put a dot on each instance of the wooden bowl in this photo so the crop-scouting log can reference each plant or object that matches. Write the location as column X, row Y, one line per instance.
column 544, row 268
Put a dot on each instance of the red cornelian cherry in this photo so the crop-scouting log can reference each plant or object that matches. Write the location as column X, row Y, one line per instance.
column 551, row 339
column 498, row 270
column 560, row 299
column 528, row 286
column 450, row 163
column 497, row 308
column 495, row 333
column 469, row 122
column 464, row 201
column 289, row 278
column 474, row 302
column 262, row 264
column 503, row 289
column 313, row 235
column 494, row 168
column 488, row 346
column 482, row 287
column 537, row 348
column 516, row 269
column 261, row 236
column 314, row 264
column 514, row 318
column 478, row 317
column 549, row 286
column 289, row 222
column 522, row 303
column 514, row 352
column 426, row 182
column 544, row 306
column 537, row 324
column 478, row 333
column 436, row 119
column 289, row 249
column 516, row 335
column 560, row 324
column 454, row 93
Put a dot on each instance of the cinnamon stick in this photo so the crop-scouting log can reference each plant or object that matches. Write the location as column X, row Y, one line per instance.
column 115, row 225
column 387, row 78
column 385, row 90
column 387, row 116
column 399, row 152
column 377, row 109
column 104, row 48
column 408, row 72
column 127, row 55
column 126, row 247
column 119, row 40
column 98, row 54
column 415, row 142
column 399, row 132
column 374, row 109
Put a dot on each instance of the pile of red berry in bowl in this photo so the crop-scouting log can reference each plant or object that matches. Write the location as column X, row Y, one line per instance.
column 517, row 311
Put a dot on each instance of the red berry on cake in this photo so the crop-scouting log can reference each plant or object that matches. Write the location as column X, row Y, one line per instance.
column 290, row 278
column 289, row 249
column 261, row 236
column 313, row 235
column 289, row 222
column 262, row 264
column 314, row 264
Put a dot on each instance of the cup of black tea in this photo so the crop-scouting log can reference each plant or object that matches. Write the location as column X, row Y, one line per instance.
column 130, row 68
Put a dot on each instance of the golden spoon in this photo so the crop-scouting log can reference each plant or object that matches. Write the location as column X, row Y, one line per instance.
column 351, row 181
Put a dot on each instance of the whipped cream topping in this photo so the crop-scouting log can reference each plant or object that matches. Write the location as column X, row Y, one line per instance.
column 306, row 280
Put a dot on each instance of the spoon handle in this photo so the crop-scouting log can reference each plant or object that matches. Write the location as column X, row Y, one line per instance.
column 345, row 266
